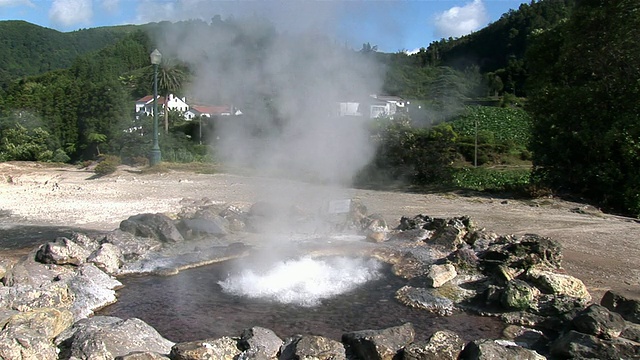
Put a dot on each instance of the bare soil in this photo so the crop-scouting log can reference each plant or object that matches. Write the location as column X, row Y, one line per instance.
column 38, row 200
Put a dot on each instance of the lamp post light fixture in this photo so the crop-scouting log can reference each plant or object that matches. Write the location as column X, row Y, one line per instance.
column 156, row 57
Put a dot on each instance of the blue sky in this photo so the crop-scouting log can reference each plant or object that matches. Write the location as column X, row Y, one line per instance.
column 392, row 25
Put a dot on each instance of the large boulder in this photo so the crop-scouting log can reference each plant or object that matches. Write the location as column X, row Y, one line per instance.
column 107, row 258
column 577, row 345
column 383, row 344
column 599, row 321
column 624, row 305
column 559, row 284
column 312, row 347
column 105, row 338
column 259, row 340
column 30, row 334
column 425, row 299
column 442, row 345
column 62, row 251
column 487, row 349
column 224, row 348
column 519, row 295
column 156, row 226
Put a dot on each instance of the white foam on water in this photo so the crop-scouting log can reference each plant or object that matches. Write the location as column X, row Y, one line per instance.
column 304, row 281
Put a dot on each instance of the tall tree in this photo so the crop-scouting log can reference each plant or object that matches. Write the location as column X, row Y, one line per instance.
column 585, row 93
column 172, row 76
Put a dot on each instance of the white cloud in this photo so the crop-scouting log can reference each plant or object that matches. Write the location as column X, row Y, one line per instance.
column 71, row 12
column 8, row 3
column 461, row 20
column 110, row 5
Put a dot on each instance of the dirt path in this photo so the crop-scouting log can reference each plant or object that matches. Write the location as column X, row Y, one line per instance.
column 603, row 250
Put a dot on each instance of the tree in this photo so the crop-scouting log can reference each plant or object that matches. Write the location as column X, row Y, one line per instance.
column 172, row 76
column 585, row 91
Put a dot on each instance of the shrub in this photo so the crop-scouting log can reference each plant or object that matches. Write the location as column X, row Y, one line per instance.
column 487, row 179
column 108, row 165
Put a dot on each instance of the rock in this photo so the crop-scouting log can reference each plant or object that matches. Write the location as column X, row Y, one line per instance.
column 519, row 295
column 62, row 251
column 107, row 258
column 487, row 349
column 26, row 297
column 442, row 345
column 92, row 289
column 438, row 275
column 260, row 340
column 559, row 284
column 375, row 236
column 631, row 332
column 525, row 337
column 199, row 227
column 224, row 348
column 142, row 355
column 29, row 335
column 425, row 299
column 132, row 247
column 465, row 260
column 107, row 337
column 597, row 320
column 156, row 226
column 450, row 235
column 481, row 240
column 379, row 344
column 626, row 306
column 522, row 253
column 411, row 264
column 577, row 345
column 311, row 347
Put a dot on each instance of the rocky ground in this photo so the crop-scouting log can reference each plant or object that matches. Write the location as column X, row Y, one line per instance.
column 38, row 201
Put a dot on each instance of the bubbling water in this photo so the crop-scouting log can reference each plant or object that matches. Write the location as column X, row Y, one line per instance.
column 305, row 281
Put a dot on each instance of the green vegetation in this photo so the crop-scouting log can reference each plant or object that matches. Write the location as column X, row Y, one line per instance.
column 553, row 84
column 108, row 164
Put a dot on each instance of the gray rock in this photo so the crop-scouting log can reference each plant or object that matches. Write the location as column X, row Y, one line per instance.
column 487, row 349
column 525, row 337
column 425, row 299
column 559, row 284
column 519, row 295
column 142, row 355
column 224, row 348
column 442, row 345
column 216, row 226
column 132, row 247
column 92, row 289
column 624, row 305
column 260, row 340
column 438, row 275
column 27, row 348
column 157, row 226
column 577, row 345
column 100, row 338
column 107, row 258
column 382, row 344
column 631, row 332
column 597, row 320
column 62, row 251
column 311, row 347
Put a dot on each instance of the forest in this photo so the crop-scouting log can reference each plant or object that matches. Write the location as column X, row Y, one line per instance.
column 541, row 102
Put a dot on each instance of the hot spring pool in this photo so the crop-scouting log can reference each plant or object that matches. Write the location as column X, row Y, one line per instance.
column 320, row 296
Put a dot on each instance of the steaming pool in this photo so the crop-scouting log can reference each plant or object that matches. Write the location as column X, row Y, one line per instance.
column 321, row 296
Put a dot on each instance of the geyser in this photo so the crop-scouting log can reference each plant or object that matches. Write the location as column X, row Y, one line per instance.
column 304, row 281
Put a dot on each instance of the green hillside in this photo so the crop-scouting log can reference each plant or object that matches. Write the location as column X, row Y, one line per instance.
column 28, row 49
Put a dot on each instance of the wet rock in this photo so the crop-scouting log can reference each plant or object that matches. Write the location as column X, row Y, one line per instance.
column 259, row 340
column 62, row 251
column 224, row 348
column 383, row 344
column 519, row 295
column 107, row 258
column 577, row 345
column 438, row 275
column 107, row 337
column 142, row 355
column 312, row 347
column 486, row 349
column 92, row 289
column 626, row 306
column 599, row 321
column 559, row 284
column 442, row 345
column 156, row 226
column 425, row 299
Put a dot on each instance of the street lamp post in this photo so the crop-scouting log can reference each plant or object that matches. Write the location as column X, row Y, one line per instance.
column 156, row 57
